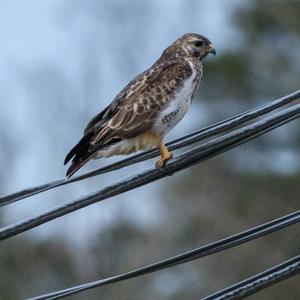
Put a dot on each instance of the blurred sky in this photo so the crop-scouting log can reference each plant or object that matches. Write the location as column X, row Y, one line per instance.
column 60, row 63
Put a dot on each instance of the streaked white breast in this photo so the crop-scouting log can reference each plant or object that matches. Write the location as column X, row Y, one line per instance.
column 176, row 108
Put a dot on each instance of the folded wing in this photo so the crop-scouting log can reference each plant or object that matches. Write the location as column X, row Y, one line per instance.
column 131, row 113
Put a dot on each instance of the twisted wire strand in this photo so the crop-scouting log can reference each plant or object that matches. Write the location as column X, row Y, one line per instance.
column 259, row 282
column 183, row 161
column 181, row 142
column 206, row 250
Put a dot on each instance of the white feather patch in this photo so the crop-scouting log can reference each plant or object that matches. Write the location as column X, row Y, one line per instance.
column 178, row 106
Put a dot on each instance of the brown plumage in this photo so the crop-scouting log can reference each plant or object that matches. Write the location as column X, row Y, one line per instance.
column 147, row 108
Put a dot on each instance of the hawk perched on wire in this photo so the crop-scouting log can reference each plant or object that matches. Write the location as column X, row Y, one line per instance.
column 148, row 107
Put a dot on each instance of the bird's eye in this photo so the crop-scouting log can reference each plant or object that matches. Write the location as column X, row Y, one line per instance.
column 199, row 43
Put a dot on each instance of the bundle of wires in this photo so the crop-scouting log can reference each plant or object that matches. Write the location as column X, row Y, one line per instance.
column 219, row 138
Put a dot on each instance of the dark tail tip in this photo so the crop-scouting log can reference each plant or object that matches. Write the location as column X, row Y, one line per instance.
column 81, row 147
column 72, row 170
column 67, row 159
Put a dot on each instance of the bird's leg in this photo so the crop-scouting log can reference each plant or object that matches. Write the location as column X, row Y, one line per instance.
column 165, row 155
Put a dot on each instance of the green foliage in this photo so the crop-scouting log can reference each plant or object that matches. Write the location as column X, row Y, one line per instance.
column 269, row 18
column 236, row 68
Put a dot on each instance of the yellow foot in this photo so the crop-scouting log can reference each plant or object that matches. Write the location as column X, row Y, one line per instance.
column 165, row 155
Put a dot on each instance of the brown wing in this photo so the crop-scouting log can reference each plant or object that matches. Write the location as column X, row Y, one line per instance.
column 132, row 112
column 138, row 105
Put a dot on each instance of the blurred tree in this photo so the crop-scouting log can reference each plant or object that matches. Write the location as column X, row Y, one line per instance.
column 22, row 259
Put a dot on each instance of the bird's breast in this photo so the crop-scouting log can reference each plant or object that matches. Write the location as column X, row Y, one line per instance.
column 177, row 107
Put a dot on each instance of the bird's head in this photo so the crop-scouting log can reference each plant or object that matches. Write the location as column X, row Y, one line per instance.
column 192, row 45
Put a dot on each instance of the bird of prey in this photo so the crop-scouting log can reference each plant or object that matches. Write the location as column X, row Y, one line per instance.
column 147, row 108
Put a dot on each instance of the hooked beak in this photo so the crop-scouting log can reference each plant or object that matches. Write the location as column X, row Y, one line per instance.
column 210, row 49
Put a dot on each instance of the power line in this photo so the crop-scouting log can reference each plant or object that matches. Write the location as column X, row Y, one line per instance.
column 259, row 282
column 184, row 141
column 183, row 161
column 209, row 249
column 186, row 159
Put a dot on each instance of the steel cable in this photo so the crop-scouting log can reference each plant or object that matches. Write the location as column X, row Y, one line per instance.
column 181, row 142
column 183, row 161
column 259, row 282
column 209, row 249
